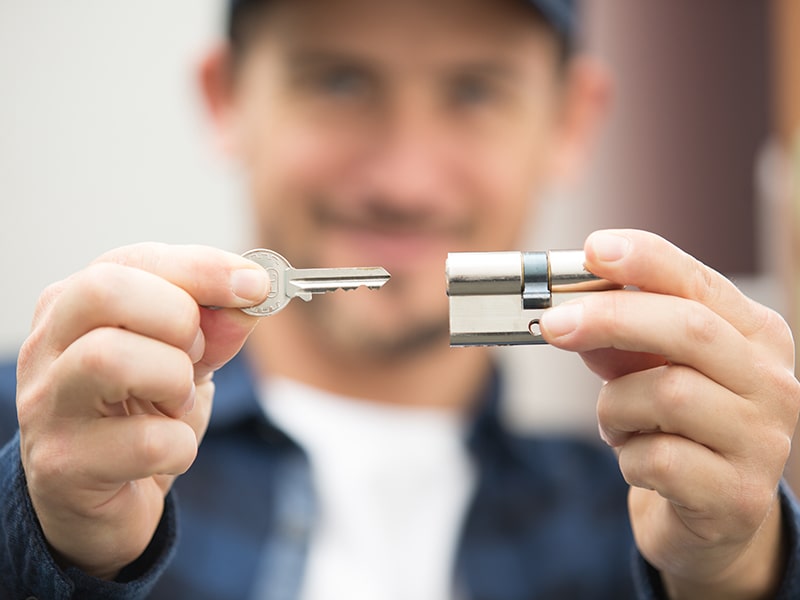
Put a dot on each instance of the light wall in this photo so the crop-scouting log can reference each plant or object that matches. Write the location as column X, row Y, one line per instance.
column 103, row 143
column 102, row 140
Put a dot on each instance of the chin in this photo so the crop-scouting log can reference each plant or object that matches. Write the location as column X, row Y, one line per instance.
column 410, row 255
column 380, row 324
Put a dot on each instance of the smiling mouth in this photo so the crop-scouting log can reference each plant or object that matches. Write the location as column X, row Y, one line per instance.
column 394, row 239
column 380, row 220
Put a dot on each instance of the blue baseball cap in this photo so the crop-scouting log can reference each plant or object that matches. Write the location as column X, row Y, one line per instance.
column 560, row 14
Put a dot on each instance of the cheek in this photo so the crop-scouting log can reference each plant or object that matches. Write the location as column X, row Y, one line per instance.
column 508, row 191
column 517, row 166
column 292, row 159
column 288, row 167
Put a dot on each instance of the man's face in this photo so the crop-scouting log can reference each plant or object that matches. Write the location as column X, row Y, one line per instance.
column 391, row 133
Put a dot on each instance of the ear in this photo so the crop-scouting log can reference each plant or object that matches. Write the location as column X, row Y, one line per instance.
column 586, row 102
column 216, row 82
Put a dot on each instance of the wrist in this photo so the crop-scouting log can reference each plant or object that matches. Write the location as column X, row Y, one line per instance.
column 756, row 573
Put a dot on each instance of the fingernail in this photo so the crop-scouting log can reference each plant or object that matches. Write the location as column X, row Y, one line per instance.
column 189, row 404
column 609, row 247
column 603, row 435
column 198, row 347
column 250, row 284
column 561, row 320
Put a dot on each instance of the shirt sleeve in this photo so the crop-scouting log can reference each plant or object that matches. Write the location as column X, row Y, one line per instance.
column 27, row 569
column 648, row 581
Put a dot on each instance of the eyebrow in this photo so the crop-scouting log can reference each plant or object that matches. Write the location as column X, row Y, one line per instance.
column 305, row 58
column 313, row 57
column 493, row 69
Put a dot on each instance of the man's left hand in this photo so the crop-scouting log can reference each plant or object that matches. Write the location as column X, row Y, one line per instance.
column 700, row 404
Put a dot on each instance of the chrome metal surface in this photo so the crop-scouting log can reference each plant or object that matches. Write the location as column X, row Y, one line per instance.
column 286, row 282
column 497, row 298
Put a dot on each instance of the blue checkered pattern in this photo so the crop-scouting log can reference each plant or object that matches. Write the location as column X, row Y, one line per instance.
column 548, row 520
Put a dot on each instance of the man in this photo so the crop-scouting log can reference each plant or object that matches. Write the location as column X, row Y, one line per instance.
column 351, row 452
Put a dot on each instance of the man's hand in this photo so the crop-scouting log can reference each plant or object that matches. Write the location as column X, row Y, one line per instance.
column 115, row 390
column 700, row 404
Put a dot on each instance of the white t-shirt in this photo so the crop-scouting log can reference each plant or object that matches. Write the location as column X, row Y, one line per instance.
column 393, row 485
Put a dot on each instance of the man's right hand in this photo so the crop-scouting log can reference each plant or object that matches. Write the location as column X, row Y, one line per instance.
column 115, row 389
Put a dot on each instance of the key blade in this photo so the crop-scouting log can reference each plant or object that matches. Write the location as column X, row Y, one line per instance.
column 302, row 283
column 286, row 282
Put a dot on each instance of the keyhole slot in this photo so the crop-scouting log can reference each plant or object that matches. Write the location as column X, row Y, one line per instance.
column 534, row 328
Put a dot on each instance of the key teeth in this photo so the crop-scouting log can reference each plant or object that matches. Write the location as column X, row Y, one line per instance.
column 304, row 283
column 301, row 288
column 350, row 288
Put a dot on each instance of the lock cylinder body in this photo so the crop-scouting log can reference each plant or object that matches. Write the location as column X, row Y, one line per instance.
column 497, row 298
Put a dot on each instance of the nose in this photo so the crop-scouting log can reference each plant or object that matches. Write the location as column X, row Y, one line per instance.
column 408, row 162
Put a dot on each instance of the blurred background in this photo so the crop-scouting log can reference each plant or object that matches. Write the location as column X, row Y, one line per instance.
column 103, row 143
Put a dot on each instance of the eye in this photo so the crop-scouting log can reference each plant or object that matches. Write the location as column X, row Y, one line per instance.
column 342, row 81
column 471, row 91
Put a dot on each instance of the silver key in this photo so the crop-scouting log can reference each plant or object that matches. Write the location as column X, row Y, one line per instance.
column 286, row 282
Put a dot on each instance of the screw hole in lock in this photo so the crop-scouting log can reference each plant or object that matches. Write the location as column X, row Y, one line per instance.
column 534, row 328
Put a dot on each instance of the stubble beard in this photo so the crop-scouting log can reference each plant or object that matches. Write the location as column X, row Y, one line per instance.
column 341, row 329
column 349, row 335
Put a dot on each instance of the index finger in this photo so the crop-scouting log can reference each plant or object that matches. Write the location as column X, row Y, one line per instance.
column 211, row 276
column 153, row 289
column 651, row 263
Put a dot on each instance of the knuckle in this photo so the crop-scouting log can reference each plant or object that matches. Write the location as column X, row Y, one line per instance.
column 703, row 284
column 166, row 446
column 671, row 389
column 783, row 387
column 652, row 464
column 144, row 255
column 46, row 299
column 99, row 284
column 174, row 373
column 30, row 352
column 152, row 445
column 775, row 324
column 45, row 463
column 660, row 462
column 788, row 391
column 35, row 380
column 92, row 351
column 781, row 444
column 29, row 402
column 702, row 326
column 777, row 330
column 750, row 505
column 148, row 256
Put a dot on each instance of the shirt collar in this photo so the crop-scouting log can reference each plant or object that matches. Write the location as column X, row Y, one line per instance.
column 237, row 402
